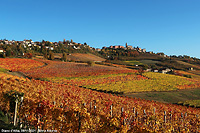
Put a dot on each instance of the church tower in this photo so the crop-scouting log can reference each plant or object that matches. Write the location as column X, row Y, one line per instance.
column 126, row 45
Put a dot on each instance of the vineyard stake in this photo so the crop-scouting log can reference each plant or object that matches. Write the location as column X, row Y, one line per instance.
column 15, row 116
column 165, row 116
column 20, row 123
column 38, row 127
column 110, row 110
column 171, row 116
column 144, row 115
column 182, row 118
column 133, row 113
column 122, row 110
column 79, row 121
column 95, row 109
column 90, row 106
column 144, row 112
column 136, row 115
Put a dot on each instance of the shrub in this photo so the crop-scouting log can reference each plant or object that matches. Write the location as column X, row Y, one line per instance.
column 90, row 63
column 187, row 76
column 28, row 55
column 64, row 57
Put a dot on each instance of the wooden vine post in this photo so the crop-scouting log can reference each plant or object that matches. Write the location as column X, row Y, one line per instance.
column 165, row 117
column 15, row 115
column 154, row 111
column 122, row 116
column 111, row 113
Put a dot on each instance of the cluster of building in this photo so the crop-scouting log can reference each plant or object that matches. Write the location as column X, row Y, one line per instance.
column 29, row 43
column 164, row 71
column 126, row 47
column 52, row 45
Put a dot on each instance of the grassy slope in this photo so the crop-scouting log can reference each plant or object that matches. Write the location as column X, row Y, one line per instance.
column 168, row 97
column 188, row 64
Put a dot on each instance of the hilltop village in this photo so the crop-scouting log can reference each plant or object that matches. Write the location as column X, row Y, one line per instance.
column 15, row 48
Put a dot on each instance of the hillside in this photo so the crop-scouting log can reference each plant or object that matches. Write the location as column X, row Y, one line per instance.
column 81, row 57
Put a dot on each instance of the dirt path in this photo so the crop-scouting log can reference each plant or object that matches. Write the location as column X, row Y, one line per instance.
column 19, row 74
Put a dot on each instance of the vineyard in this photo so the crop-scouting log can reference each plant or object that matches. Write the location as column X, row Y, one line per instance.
column 67, row 108
column 15, row 64
column 61, row 104
column 71, row 69
column 131, row 82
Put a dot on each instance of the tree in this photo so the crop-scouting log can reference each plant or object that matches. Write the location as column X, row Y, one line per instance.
column 44, row 51
column 145, row 67
column 8, row 51
column 64, row 57
column 51, row 55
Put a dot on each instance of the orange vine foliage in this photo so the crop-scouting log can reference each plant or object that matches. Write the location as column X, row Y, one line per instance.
column 70, row 108
column 16, row 64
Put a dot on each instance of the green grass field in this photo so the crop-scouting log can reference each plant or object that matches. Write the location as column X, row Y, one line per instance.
column 134, row 62
column 170, row 97
column 149, row 62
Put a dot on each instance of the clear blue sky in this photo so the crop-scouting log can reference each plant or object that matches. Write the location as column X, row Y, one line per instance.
column 169, row 26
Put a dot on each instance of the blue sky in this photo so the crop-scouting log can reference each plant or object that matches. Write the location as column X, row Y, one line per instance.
column 169, row 26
